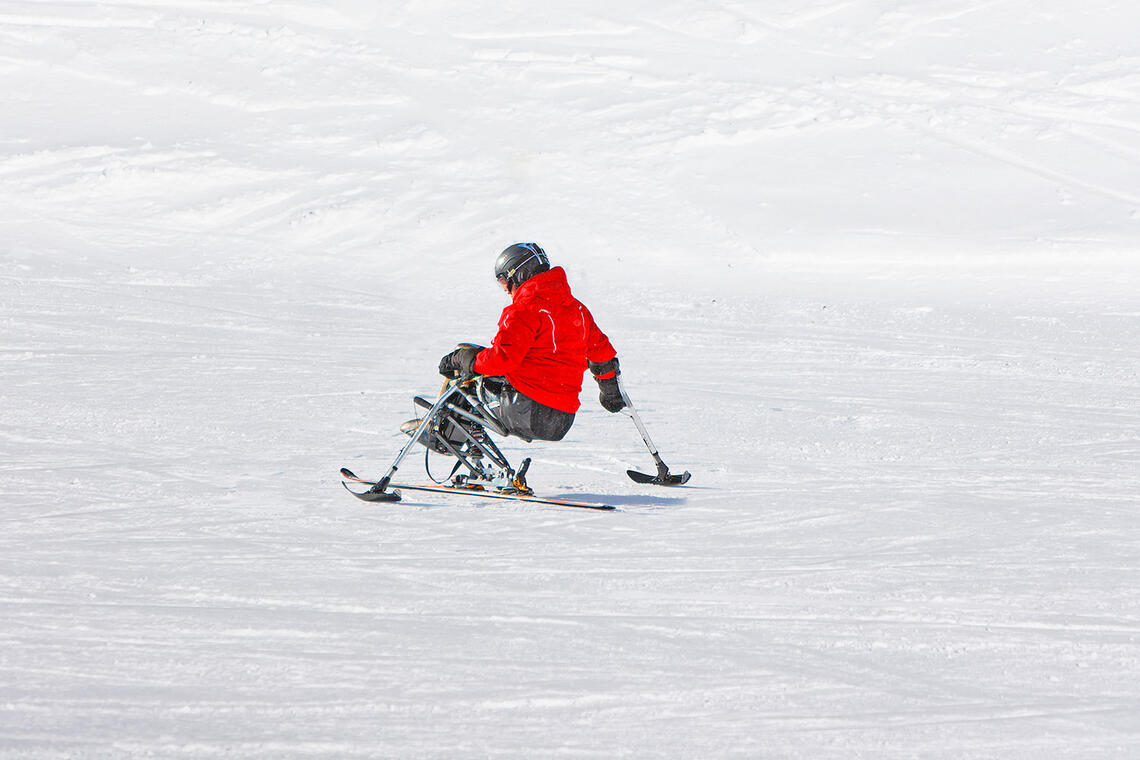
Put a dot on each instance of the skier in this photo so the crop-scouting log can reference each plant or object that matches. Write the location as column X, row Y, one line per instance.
column 525, row 384
column 545, row 342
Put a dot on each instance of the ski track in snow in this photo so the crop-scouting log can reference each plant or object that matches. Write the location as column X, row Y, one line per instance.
column 870, row 270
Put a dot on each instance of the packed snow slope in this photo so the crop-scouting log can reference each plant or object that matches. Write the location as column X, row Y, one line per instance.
column 871, row 268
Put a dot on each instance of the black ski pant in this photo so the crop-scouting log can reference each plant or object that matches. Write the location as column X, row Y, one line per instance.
column 526, row 418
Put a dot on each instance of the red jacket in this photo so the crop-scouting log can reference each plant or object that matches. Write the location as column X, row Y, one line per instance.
column 545, row 338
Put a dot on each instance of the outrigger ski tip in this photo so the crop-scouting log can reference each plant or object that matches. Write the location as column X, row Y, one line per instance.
column 660, row 479
column 373, row 495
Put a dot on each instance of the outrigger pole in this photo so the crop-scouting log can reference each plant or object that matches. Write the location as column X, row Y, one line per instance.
column 662, row 478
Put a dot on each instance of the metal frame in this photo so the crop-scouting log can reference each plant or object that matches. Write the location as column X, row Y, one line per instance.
column 507, row 477
column 382, row 484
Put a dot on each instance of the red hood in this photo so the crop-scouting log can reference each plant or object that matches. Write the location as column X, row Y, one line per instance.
column 548, row 286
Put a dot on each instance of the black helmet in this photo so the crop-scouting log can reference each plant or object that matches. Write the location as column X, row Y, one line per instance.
column 519, row 262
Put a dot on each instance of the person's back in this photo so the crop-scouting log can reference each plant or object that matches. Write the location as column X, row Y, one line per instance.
column 545, row 340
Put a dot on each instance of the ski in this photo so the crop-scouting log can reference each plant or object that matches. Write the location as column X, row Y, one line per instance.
column 394, row 495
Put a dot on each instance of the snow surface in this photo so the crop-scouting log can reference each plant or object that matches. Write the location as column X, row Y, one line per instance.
column 871, row 267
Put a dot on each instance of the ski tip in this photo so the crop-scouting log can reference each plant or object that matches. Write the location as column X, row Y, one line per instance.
column 375, row 496
column 347, row 473
column 659, row 480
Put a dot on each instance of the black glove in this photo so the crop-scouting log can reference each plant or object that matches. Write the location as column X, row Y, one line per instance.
column 460, row 363
column 611, row 395
column 606, row 374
